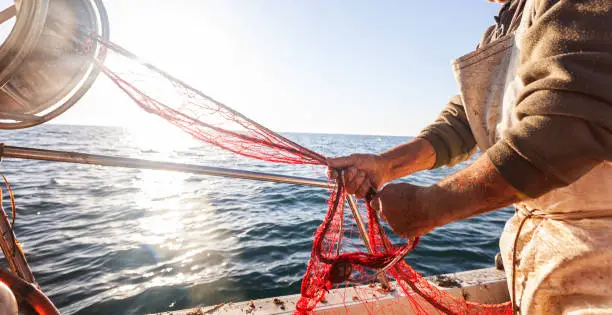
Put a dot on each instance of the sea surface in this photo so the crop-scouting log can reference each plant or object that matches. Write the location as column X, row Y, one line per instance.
column 105, row 240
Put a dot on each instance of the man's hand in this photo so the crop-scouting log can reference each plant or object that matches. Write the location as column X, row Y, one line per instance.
column 365, row 171
column 413, row 210
column 403, row 206
column 361, row 172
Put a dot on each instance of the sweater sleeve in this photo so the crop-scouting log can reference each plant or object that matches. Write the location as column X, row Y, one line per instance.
column 450, row 135
column 565, row 109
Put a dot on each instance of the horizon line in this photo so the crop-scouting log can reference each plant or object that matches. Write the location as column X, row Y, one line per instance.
column 281, row 132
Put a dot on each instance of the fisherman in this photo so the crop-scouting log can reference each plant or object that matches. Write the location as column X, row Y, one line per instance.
column 536, row 99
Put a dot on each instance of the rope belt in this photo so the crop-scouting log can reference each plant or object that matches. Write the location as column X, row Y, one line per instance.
column 522, row 210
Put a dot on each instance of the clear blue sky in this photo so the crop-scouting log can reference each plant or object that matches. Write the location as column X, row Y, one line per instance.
column 364, row 67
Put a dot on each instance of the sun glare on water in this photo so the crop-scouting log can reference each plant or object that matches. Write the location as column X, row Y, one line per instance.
column 153, row 133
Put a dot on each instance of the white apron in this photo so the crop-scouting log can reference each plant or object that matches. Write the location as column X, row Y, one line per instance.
column 563, row 252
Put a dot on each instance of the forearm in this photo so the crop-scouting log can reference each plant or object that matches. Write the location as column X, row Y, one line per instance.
column 474, row 190
column 408, row 158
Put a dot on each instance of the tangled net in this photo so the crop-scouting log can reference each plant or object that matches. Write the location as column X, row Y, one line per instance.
column 330, row 264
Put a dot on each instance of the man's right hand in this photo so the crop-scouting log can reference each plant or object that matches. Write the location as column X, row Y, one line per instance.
column 362, row 172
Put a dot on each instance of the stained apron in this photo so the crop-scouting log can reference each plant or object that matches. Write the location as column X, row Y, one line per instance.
column 561, row 260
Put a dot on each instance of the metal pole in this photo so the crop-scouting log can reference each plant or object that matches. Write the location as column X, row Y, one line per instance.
column 364, row 235
column 104, row 160
column 8, row 14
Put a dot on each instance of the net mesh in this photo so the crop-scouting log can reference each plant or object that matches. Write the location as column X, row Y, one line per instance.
column 337, row 258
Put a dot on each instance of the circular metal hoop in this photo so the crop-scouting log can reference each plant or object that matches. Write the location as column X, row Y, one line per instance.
column 43, row 69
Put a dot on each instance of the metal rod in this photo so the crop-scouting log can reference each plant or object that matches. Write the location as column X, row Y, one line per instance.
column 104, row 160
column 7, row 14
column 364, row 235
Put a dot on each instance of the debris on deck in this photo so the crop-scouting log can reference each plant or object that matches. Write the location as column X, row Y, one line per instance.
column 446, row 281
column 278, row 302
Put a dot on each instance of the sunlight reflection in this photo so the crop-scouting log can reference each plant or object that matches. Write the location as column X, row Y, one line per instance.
column 127, row 290
column 160, row 194
column 160, row 186
column 153, row 133
column 181, row 238
column 163, row 229
column 166, row 277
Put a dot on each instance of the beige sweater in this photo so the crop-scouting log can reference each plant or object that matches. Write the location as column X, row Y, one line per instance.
column 565, row 109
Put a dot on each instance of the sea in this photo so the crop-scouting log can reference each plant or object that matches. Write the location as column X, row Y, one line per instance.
column 110, row 240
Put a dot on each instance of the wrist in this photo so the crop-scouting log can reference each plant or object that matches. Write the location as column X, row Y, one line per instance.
column 384, row 164
column 425, row 154
column 432, row 201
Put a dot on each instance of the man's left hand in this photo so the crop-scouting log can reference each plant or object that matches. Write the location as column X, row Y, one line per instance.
column 414, row 210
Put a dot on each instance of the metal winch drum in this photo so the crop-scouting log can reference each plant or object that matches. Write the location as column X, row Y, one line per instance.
column 44, row 69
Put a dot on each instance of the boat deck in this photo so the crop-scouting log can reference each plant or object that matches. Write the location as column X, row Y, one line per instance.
column 482, row 285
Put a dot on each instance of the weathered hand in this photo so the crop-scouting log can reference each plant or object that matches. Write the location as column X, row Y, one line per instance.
column 414, row 210
column 361, row 172
column 406, row 208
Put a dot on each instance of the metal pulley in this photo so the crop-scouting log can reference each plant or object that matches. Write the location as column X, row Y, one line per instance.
column 44, row 69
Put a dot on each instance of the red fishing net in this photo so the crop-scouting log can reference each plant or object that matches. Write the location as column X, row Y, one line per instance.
column 335, row 258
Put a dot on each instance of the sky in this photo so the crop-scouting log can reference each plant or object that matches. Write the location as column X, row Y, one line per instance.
column 321, row 66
